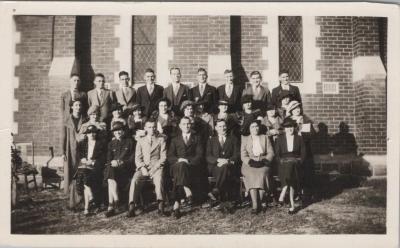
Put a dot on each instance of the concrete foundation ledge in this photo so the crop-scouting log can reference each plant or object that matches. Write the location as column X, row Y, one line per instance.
column 376, row 163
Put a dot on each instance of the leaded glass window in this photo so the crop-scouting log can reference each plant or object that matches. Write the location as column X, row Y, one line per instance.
column 144, row 45
column 291, row 47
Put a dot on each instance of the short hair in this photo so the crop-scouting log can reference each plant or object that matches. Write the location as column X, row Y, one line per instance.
column 283, row 71
column 149, row 70
column 174, row 68
column 71, row 103
column 220, row 120
column 201, row 69
column 74, row 75
column 99, row 75
column 227, row 71
column 185, row 118
column 255, row 73
column 151, row 119
column 121, row 73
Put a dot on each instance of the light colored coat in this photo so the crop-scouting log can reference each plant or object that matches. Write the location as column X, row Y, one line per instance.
column 150, row 155
column 246, row 149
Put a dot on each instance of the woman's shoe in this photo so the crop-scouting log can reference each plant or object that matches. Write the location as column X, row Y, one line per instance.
column 254, row 211
column 292, row 211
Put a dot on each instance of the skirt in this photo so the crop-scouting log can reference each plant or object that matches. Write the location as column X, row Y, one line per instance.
column 255, row 178
column 288, row 172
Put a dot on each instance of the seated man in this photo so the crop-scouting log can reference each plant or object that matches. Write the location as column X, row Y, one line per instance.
column 119, row 168
column 222, row 155
column 185, row 156
column 150, row 157
column 89, row 176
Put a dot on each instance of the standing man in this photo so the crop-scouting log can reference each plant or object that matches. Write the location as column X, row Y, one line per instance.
column 222, row 156
column 125, row 95
column 177, row 92
column 261, row 95
column 185, row 156
column 101, row 97
column 230, row 93
column 71, row 95
column 283, row 88
column 150, row 158
column 149, row 94
column 204, row 92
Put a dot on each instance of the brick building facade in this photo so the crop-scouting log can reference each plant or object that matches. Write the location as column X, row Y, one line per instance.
column 343, row 64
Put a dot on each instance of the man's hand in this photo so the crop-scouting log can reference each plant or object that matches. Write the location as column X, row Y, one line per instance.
column 84, row 160
column 183, row 160
column 153, row 170
column 114, row 163
column 222, row 161
column 144, row 171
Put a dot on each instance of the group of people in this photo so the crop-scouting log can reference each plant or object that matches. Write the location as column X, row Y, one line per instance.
column 113, row 142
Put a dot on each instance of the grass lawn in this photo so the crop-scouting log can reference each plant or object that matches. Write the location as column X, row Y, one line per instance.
column 341, row 209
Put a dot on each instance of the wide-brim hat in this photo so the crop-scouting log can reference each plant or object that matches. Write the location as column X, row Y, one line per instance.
column 292, row 105
column 118, row 125
column 116, row 106
column 93, row 109
column 186, row 103
column 91, row 129
column 285, row 94
column 289, row 122
column 223, row 102
column 270, row 107
column 246, row 99
column 164, row 99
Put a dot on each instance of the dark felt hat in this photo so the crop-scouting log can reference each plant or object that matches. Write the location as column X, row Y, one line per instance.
column 289, row 122
column 91, row 129
column 246, row 99
column 117, row 126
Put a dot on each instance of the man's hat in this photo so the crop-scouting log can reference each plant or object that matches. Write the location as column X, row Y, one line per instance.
column 117, row 126
column 289, row 122
column 186, row 103
column 91, row 129
column 246, row 99
column 93, row 110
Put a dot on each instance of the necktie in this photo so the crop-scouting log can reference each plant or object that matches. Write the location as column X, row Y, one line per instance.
column 222, row 140
column 185, row 139
column 229, row 90
column 150, row 89
column 201, row 89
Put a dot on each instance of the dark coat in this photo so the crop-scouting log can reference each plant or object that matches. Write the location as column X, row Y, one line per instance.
column 299, row 148
column 99, row 155
column 234, row 100
column 260, row 100
column 184, row 93
column 66, row 99
column 193, row 151
column 105, row 103
column 230, row 150
column 278, row 91
column 209, row 97
column 147, row 101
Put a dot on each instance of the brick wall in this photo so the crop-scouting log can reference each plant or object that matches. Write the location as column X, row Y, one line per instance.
column 366, row 36
column 196, row 37
column 103, row 43
column 35, row 51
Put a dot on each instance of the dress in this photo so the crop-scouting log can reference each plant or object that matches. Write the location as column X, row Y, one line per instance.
column 256, row 178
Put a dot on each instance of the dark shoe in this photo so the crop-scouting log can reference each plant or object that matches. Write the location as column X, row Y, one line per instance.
column 176, row 213
column 161, row 211
column 281, row 204
column 139, row 210
column 291, row 212
column 264, row 207
column 190, row 201
column 110, row 213
column 254, row 211
column 131, row 210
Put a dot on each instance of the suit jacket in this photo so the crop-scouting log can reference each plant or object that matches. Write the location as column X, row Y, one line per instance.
column 278, row 91
column 66, row 99
column 147, row 101
column 234, row 100
column 152, row 155
column 121, row 150
column 230, row 149
column 105, row 103
column 260, row 100
column 127, row 100
column 299, row 148
column 183, row 94
column 246, row 149
column 98, row 156
column 192, row 151
column 209, row 97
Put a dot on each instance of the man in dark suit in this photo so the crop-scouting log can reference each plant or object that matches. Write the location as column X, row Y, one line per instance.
column 261, row 95
column 149, row 94
column 125, row 95
column 204, row 92
column 177, row 92
column 284, row 86
column 101, row 97
column 222, row 156
column 70, row 96
column 185, row 157
column 230, row 93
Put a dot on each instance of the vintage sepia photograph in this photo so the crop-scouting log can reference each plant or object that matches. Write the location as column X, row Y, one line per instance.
column 201, row 122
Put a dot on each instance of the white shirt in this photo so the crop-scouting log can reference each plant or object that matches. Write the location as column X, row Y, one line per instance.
column 289, row 142
column 221, row 139
column 228, row 89
column 202, row 86
column 91, row 144
column 150, row 88
column 175, row 88
column 285, row 87
column 186, row 137
column 257, row 149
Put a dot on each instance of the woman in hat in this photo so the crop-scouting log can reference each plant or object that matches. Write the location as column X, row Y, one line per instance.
column 224, row 115
column 207, row 119
column 117, row 113
column 166, row 119
column 69, row 138
column 119, row 167
column 284, row 100
column 89, row 176
column 273, row 123
column 307, row 131
column 136, row 121
column 290, row 152
column 94, row 113
column 256, row 153
column 245, row 117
